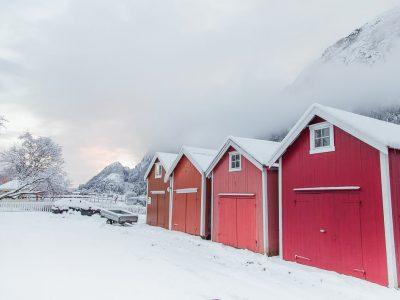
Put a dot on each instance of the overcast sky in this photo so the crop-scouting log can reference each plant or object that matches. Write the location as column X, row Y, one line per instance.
column 111, row 80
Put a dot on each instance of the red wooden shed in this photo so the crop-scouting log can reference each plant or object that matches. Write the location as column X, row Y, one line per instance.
column 190, row 209
column 245, row 195
column 340, row 194
column 158, row 193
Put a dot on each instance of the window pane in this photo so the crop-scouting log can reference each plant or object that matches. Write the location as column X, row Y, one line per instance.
column 326, row 141
column 325, row 131
column 235, row 161
column 317, row 133
column 318, row 143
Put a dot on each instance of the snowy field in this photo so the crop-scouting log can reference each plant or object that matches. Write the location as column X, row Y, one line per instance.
column 45, row 256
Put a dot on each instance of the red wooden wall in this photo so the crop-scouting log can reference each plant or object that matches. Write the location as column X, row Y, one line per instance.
column 186, row 209
column 158, row 210
column 248, row 180
column 208, row 209
column 273, row 211
column 394, row 168
column 353, row 163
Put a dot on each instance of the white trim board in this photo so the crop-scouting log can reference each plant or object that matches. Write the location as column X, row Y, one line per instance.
column 157, row 192
column 171, row 201
column 237, row 194
column 327, row 188
column 186, row 191
column 388, row 221
column 280, row 208
column 265, row 210
column 203, row 205
column 212, row 207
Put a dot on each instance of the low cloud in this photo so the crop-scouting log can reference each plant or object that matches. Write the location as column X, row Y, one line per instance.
column 114, row 81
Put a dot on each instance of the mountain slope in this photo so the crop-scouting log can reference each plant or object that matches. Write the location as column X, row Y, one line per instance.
column 117, row 179
column 374, row 43
column 369, row 44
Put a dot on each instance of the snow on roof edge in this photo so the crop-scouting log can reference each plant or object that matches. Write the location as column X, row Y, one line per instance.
column 188, row 151
column 163, row 161
column 346, row 121
column 252, row 154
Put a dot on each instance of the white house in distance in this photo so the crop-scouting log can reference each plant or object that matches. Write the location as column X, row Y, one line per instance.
column 15, row 184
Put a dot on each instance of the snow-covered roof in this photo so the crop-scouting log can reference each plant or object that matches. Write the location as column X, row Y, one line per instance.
column 166, row 160
column 10, row 185
column 199, row 157
column 379, row 134
column 258, row 151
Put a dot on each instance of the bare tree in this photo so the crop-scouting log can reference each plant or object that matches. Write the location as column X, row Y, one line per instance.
column 37, row 163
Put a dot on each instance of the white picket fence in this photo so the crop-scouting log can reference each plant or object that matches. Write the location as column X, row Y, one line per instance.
column 24, row 206
column 45, row 206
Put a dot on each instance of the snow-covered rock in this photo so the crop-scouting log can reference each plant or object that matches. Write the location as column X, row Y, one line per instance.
column 118, row 179
column 375, row 42
column 369, row 44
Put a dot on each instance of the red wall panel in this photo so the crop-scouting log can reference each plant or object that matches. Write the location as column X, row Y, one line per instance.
column 179, row 212
column 158, row 210
column 187, row 176
column 353, row 163
column 394, row 168
column 273, row 211
column 248, row 180
column 227, row 233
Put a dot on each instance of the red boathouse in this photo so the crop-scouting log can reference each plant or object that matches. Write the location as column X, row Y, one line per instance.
column 339, row 182
column 158, row 194
column 245, row 195
column 190, row 202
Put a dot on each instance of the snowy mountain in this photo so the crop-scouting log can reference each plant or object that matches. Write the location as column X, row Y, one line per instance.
column 118, row 179
column 368, row 44
column 375, row 42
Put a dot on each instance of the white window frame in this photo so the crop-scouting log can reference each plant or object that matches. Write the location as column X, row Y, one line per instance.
column 158, row 170
column 231, row 154
column 318, row 126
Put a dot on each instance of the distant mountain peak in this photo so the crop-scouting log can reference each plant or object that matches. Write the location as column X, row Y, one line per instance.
column 118, row 179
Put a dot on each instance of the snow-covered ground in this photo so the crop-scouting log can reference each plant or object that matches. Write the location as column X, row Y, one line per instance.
column 45, row 256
